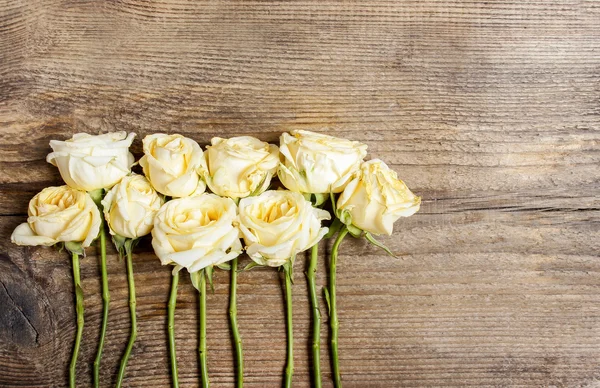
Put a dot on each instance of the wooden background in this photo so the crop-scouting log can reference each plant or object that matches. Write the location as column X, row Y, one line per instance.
column 489, row 110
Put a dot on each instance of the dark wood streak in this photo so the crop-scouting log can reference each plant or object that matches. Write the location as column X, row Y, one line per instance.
column 490, row 111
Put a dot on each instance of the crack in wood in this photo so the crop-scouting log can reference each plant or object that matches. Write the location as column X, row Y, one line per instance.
column 20, row 310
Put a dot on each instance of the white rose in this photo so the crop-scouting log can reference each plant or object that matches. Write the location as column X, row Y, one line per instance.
column 130, row 207
column 196, row 232
column 59, row 214
column 88, row 162
column 170, row 163
column 318, row 164
column 239, row 166
column 277, row 225
column 375, row 198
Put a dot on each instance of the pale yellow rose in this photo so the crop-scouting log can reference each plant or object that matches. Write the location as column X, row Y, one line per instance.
column 59, row 214
column 375, row 198
column 239, row 166
column 277, row 225
column 130, row 207
column 316, row 163
column 171, row 164
column 197, row 232
column 88, row 162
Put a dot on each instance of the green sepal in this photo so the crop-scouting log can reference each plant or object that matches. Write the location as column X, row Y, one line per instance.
column 74, row 247
column 345, row 218
column 97, row 196
column 318, row 199
column 372, row 240
column 288, row 267
column 354, row 231
column 327, row 299
column 336, row 211
column 209, row 276
column 124, row 245
column 335, row 226
column 176, row 269
column 195, row 277
column 250, row 265
column 224, row 266
column 120, row 242
column 60, row 246
column 131, row 243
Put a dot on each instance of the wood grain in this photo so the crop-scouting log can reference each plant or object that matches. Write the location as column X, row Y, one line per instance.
column 489, row 110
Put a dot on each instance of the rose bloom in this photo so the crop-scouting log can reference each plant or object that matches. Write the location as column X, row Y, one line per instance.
column 130, row 207
column 277, row 225
column 59, row 214
column 375, row 198
column 239, row 166
column 170, row 163
column 316, row 163
column 88, row 162
column 197, row 232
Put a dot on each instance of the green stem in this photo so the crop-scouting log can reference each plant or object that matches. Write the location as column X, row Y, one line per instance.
column 237, row 339
column 105, row 303
column 289, row 367
column 333, row 318
column 202, row 348
column 132, row 304
column 171, row 330
column 79, row 310
column 311, row 275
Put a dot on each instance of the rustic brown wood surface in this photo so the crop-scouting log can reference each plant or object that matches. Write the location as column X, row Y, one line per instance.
column 490, row 111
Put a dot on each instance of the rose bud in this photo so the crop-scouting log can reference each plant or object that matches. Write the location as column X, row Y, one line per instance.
column 87, row 162
column 239, row 166
column 375, row 198
column 197, row 232
column 59, row 214
column 170, row 163
column 277, row 225
column 318, row 164
column 130, row 207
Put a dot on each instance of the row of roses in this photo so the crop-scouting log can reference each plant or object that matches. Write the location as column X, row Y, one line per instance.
column 197, row 230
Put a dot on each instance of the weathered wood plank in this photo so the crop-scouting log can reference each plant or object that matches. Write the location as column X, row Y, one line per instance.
column 490, row 111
